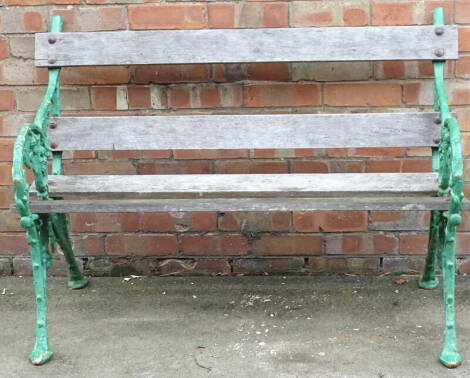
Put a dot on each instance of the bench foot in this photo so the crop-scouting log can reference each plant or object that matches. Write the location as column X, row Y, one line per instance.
column 60, row 226
column 77, row 284
column 450, row 358
column 428, row 284
column 40, row 357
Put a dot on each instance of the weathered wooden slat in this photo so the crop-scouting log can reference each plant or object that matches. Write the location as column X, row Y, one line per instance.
column 253, row 185
column 242, row 204
column 245, row 45
column 245, row 131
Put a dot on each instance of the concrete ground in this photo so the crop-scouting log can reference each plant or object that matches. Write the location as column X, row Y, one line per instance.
column 233, row 327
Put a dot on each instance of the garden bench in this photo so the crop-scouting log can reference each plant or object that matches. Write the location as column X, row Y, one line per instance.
column 440, row 191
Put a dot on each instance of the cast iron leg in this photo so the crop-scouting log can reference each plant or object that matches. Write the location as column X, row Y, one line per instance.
column 38, row 241
column 450, row 355
column 429, row 280
column 59, row 225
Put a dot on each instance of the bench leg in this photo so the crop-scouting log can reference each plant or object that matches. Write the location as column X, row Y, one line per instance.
column 38, row 238
column 450, row 355
column 428, row 280
column 60, row 227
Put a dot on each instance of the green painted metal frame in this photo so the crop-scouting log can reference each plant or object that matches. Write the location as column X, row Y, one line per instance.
column 43, row 231
column 448, row 162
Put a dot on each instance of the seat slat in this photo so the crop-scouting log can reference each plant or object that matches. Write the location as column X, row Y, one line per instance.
column 245, row 45
column 252, row 185
column 241, row 204
column 245, row 131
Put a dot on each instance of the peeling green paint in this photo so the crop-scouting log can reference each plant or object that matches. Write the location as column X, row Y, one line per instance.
column 32, row 151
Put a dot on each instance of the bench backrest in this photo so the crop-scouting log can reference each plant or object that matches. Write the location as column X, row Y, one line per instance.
column 246, row 45
column 238, row 46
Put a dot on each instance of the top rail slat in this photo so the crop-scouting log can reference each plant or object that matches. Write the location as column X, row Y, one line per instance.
column 246, row 45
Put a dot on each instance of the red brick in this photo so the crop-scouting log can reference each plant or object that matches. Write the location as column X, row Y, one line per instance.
column 157, row 222
column 3, row 49
column 330, row 221
column 104, row 98
column 274, row 15
column 392, row 13
column 186, row 73
column 93, row 18
column 464, row 39
column 6, row 197
column 281, row 95
column 384, row 243
column 175, row 16
column 99, row 167
column 309, row 166
column 173, row 167
column 95, row 75
column 393, row 69
column 101, row 222
column 232, row 244
column 13, row 244
column 354, row 17
column 432, row 4
column 90, row 245
column 10, row 222
column 247, row 166
column 7, row 100
column 289, row 244
column 416, row 165
column 268, row 72
column 209, row 97
column 363, row 94
column 413, row 244
column 304, row 14
column 179, row 98
column 209, row 154
column 196, row 245
column 203, row 221
column 32, row 21
column 221, row 15
column 40, row 2
column 383, row 166
column 462, row 11
column 138, row 97
column 6, row 149
column 5, row 174
column 463, row 66
column 254, row 221
column 140, row 244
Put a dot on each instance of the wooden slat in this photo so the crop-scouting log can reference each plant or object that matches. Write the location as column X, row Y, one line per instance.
column 253, row 185
column 241, row 204
column 245, row 45
column 245, row 131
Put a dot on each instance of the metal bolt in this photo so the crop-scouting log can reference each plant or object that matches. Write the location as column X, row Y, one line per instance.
column 439, row 52
column 437, row 120
column 52, row 39
column 439, row 30
column 437, row 140
column 51, row 60
column 53, row 145
column 52, row 125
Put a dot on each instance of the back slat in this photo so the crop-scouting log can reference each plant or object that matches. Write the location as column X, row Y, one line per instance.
column 246, row 45
column 282, row 131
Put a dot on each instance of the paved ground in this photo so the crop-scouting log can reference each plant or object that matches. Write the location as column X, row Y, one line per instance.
column 233, row 327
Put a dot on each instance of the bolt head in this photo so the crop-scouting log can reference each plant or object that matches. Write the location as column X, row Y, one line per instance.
column 52, row 39
column 439, row 30
column 52, row 60
column 52, row 125
column 437, row 140
column 53, row 145
column 439, row 52
column 437, row 120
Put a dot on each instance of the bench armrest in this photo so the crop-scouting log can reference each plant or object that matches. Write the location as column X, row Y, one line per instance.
column 32, row 148
column 448, row 160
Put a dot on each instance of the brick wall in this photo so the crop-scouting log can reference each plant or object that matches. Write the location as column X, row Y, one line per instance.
column 242, row 243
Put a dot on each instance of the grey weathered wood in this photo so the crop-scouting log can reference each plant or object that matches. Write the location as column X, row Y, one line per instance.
column 254, row 185
column 245, row 131
column 245, row 45
column 242, row 204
